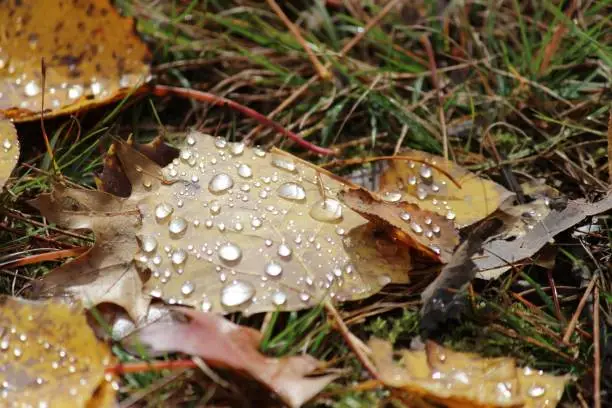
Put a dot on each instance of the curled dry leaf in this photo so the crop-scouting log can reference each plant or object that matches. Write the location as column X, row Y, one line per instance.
column 428, row 232
column 9, row 150
column 465, row 380
column 222, row 343
column 106, row 273
column 503, row 253
column 50, row 357
column 92, row 56
column 441, row 186
column 222, row 228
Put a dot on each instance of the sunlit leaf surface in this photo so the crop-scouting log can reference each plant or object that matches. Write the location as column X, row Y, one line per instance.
column 49, row 357
column 92, row 55
column 9, row 150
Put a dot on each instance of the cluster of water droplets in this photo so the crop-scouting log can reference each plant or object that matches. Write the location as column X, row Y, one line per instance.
column 40, row 361
column 244, row 229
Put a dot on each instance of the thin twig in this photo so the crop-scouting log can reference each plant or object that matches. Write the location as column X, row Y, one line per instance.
column 610, row 146
column 321, row 70
column 164, row 90
column 596, row 351
column 353, row 342
column 574, row 320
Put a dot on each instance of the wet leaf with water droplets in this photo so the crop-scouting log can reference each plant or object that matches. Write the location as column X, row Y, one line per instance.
column 50, row 357
column 423, row 230
column 9, row 150
column 92, row 56
column 222, row 343
column 463, row 197
column 456, row 379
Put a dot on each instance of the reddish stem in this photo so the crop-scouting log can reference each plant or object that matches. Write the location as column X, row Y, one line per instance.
column 164, row 90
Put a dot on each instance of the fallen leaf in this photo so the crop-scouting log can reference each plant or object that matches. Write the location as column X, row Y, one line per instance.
column 502, row 253
column 441, row 299
column 222, row 343
column 50, row 357
column 223, row 228
column 428, row 232
column 465, row 380
column 106, row 273
column 91, row 53
column 441, row 186
column 9, row 150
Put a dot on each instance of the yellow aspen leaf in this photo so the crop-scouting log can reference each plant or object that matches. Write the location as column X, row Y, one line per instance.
column 441, row 186
column 49, row 357
column 428, row 232
column 91, row 53
column 224, row 228
column 465, row 380
column 9, row 150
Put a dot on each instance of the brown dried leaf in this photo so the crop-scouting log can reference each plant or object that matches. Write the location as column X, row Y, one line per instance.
column 430, row 233
column 502, row 253
column 50, row 357
column 222, row 343
column 465, row 380
column 441, row 186
column 9, row 150
column 106, row 273
column 92, row 56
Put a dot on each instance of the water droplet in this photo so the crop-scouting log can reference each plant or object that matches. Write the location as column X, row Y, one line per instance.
column 416, row 227
column 179, row 257
column 186, row 155
column 220, row 183
column 256, row 222
column 214, row 207
column 292, row 191
column 177, row 226
column 191, row 140
column 237, row 293
column 412, row 180
column 392, row 196
column 4, row 344
column 148, row 243
column 31, row 88
column 427, row 220
column 405, row 216
column 426, row 172
column 340, row 231
column 436, row 249
column 245, row 171
column 17, row 352
column 163, row 211
column 273, row 269
column 279, row 298
column 328, row 210
column 536, row 391
column 421, row 193
column 229, row 252
column 206, row 305
column 284, row 250
column 259, row 152
column 220, row 142
column 436, row 229
column 284, row 164
column 304, row 297
column 75, row 91
column 450, row 215
column 187, row 288
column 237, row 148
column 7, row 144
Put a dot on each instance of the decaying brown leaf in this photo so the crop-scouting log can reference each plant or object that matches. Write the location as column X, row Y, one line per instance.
column 91, row 53
column 503, row 253
column 106, row 273
column 441, row 186
column 430, row 233
column 222, row 343
column 50, row 357
column 223, row 228
column 9, row 150
column 465, row 380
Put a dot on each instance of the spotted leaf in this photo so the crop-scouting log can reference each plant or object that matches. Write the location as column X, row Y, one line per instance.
column 9, row 150
column 465, row 380
column 441, row 186
column 428, row 232
column 91, row 53
column 49, row 357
